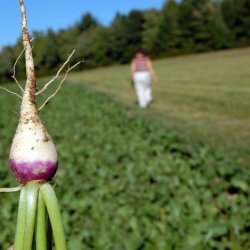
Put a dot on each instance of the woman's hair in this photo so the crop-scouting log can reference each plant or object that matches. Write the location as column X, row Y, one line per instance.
column 140, row 52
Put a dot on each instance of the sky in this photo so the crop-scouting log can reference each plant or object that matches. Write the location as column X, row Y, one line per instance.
column 59, row 14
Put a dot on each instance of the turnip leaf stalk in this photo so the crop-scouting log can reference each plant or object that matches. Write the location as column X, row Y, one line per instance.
column 34, row 161
column 21, row 219
column 41, row 242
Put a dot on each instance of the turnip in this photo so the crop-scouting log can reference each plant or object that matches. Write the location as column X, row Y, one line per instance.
column 34, row 161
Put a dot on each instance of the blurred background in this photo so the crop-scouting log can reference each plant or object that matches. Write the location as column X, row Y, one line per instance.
column 172, row 176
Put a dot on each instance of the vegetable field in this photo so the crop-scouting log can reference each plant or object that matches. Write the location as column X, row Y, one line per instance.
column 204, row 97
column 126, row 182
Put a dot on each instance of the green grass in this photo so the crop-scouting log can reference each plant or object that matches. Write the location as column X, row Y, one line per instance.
column 204, row 97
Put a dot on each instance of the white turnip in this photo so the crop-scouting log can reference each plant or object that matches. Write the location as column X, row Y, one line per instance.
column 34, row 161
column 33, row 154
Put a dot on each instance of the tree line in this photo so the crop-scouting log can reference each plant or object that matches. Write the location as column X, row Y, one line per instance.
column 189, row 26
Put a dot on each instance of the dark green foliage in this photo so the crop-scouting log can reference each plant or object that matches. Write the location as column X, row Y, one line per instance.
column 47, row 54
column 87, row 22
column 6, row 63
column 100, row 49
column 150, row 31
column 93, row 47
column 201, row 26
column 128, row 183
column 134, row 24
column 236, row 14
column 126, row 36
column 168, row 38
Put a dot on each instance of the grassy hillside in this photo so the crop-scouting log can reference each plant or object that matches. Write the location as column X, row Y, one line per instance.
column 204, row 97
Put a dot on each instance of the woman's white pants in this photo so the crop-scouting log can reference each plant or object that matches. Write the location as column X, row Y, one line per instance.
column 142, row 81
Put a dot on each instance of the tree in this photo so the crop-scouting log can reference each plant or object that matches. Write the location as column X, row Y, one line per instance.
column 87, row 22
column 100, row 48
column 126, row 35
column 236, row 14
column 134, row 24
column 200, row 25
column 168, row 38
column 65, row 42
column 150, row 31
column 46, row 52
column 116, row 39
column 7, row 61
column 220, row 35
column 93, row 46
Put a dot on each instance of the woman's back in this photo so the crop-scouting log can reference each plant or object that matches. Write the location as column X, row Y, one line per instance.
column 141, row 62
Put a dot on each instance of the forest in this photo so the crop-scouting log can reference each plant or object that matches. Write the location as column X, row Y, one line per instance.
column 185, row 27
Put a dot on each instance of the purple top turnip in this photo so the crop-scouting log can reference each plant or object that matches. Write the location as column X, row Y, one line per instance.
column 33, row 154
column 33, row 161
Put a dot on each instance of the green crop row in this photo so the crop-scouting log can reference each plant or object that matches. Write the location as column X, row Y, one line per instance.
column 127, row 183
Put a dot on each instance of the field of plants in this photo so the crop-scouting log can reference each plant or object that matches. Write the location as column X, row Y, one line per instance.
column 127, row 182
column 204, row 97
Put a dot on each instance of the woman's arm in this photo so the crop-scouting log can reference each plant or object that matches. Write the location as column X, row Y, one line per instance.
column 152, row 72
column 132, row 69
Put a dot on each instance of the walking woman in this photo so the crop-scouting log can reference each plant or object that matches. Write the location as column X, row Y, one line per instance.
column 141, row 73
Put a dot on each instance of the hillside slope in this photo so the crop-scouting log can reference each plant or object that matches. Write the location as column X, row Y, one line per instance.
column 204, row 97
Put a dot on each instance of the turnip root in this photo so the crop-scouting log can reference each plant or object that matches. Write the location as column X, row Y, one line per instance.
column 33, row 154
column 34, row 161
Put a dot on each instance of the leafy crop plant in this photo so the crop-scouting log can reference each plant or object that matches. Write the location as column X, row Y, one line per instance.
column 34, row 161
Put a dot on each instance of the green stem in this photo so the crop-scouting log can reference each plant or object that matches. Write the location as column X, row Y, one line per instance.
column 49, row 234
column 51, row 202
column 41, row 239
column 21, row 218
column 31, row 205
